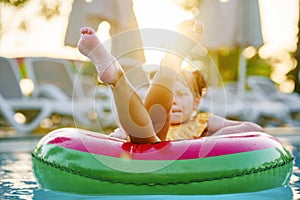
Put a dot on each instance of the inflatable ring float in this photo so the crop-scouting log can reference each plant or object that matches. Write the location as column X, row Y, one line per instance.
column 79, row 161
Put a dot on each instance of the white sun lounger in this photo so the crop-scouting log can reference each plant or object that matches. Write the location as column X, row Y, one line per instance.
column 55, row 80
column 268, row 101
column 265, row 89
column 12, row 99
column 224, row 102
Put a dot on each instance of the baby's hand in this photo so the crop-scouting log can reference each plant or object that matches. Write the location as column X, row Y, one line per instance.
column 191, row 29
column 119, row 133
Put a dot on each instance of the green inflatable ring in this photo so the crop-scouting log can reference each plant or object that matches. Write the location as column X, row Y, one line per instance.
column 79, row 161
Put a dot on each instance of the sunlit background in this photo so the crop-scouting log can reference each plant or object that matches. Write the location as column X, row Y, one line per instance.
column 32, row 30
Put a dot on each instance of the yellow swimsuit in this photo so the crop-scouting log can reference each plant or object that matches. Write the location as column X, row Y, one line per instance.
column 194, row 128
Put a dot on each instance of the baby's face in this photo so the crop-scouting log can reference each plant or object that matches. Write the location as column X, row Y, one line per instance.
column 183, row 105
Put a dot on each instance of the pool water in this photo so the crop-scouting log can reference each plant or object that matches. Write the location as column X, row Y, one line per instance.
column 17, row 181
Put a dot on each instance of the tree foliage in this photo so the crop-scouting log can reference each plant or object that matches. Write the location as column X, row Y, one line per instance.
column 15, row 3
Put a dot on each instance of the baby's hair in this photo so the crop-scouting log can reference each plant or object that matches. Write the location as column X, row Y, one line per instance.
column 195, row 80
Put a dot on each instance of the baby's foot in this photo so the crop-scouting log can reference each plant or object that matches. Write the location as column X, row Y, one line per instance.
column 192, row 29
column 109, row 70
column 189, row 37
column 88, row 41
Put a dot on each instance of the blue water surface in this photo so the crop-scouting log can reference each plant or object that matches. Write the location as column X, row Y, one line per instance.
column 17, row 181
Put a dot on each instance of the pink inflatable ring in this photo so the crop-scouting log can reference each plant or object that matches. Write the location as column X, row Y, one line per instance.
column 79, row 161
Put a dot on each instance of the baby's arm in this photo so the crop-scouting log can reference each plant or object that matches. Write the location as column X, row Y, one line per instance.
column 218, row 125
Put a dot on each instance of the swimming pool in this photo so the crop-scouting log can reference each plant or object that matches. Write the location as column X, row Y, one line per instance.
column 17, row 180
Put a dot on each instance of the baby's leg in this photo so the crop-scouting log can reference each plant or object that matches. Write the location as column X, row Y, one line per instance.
column 159, row 99
column 133, row 115
column 108, row 68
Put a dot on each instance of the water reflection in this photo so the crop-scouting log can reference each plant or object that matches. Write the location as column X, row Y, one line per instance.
column 282, row 193
column 16, row 177
column 295, row 179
